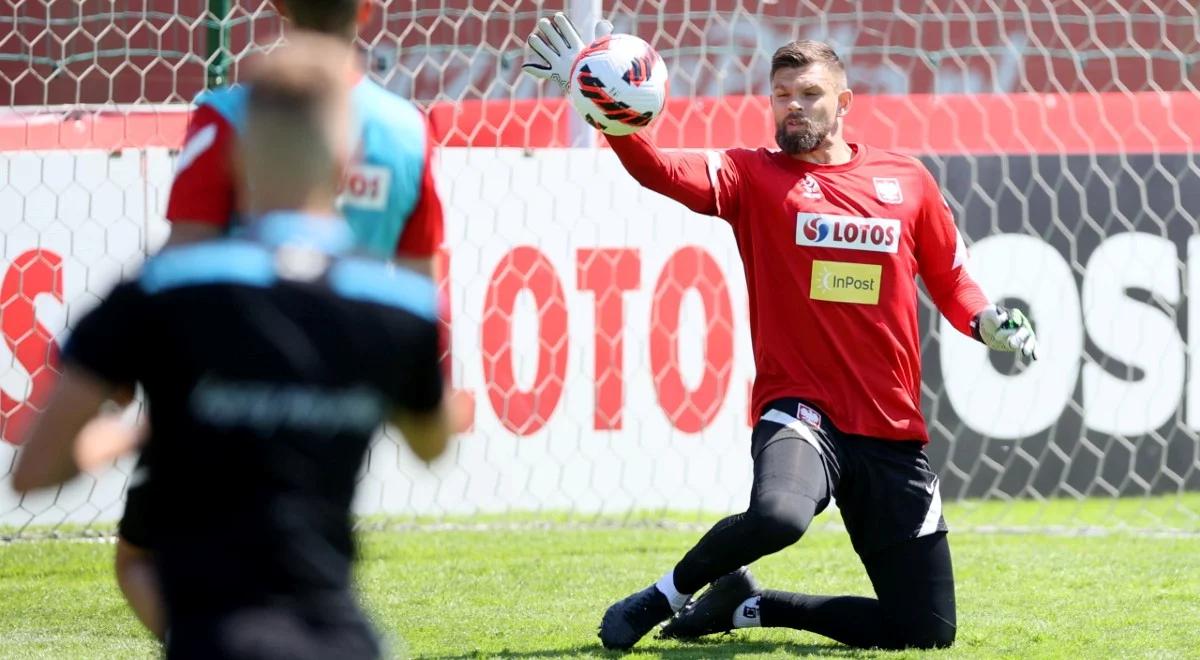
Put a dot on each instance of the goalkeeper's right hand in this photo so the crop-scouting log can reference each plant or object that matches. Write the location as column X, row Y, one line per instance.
column 557, row 43
column 1006, row 330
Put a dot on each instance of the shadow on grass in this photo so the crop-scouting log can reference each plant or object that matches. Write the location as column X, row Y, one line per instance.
column 695, row 650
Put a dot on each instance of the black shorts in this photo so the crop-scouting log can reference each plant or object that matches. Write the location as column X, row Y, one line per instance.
column 327, row 627
column 885, row 489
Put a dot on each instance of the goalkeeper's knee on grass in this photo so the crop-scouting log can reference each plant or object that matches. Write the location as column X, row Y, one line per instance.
column 936, row 633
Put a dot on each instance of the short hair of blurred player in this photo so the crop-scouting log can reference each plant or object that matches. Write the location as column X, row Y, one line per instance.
column 205, row 201
column 305, row 94
column 297, row 138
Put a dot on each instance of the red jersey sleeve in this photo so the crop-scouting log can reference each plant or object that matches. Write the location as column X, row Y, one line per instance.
column 705, row 183
column 204, row 189
column 424, row 231
column 942, row 259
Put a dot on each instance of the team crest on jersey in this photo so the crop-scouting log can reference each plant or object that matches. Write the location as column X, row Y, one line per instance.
column 366, row 187
column 809, row 188
column 888, row 190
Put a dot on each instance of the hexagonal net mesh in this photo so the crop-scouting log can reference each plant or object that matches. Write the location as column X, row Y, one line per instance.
column 602, row 329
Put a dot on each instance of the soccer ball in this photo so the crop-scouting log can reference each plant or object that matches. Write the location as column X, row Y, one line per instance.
column 618, row 84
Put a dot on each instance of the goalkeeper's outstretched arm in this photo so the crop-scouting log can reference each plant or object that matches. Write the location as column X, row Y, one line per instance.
column 687, row 178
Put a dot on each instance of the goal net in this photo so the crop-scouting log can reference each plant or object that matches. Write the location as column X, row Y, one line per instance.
column 602, row 329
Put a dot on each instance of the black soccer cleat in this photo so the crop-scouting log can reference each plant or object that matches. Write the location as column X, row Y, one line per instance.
column 628, row 620
column 712, row 612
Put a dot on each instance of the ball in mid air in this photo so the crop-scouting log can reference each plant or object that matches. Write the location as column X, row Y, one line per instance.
column 619, row 84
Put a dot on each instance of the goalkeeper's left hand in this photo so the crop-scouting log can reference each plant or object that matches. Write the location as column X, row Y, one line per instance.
column 1006, row 330
column 557, row 43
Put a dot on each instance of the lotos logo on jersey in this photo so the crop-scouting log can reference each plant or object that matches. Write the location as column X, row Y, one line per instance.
column 835, row 281
column 845, row 232
column 816, row 229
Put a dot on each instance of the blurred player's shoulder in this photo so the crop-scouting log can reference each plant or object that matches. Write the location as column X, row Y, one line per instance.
column 208, row 262
column 396, row 123
column 229, row 103
column 377, row 282
column 390, row 123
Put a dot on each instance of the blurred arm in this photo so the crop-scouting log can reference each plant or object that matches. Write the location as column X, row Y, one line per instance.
column 427, row 433
column 424, row 229
column 203, row 195
column 106, row 438
column 49, row 456
column 423, row 407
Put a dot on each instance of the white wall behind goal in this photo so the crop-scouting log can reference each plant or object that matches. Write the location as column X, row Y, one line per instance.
column 538, row 243
column 100, row 213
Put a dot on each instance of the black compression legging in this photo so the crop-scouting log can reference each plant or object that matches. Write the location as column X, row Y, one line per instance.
column 790, row 488
column 914, row 585
column 913, row 580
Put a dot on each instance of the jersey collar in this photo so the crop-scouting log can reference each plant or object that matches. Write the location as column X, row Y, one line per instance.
column 859, row 153
column 329, row 234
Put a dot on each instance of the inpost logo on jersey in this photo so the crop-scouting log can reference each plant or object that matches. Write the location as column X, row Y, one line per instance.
column 835, row 281
column 847, row 232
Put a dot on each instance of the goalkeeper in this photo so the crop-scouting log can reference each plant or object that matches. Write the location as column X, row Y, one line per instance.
column 832, row 236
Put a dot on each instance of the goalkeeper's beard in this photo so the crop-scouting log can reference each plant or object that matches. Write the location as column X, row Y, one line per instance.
column 810, row 135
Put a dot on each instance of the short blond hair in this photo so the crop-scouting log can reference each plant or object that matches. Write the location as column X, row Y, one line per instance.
column 297, row 119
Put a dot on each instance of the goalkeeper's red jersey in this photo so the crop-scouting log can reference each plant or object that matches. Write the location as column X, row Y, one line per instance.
column 831, row 255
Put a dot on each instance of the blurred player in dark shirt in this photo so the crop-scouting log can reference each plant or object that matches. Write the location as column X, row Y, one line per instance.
column 268, row 363
column 388, row 196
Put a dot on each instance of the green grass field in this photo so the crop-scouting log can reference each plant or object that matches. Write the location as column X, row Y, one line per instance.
column 530, row 590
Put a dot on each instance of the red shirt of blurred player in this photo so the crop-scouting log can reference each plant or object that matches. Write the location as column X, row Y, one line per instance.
column 205, row 199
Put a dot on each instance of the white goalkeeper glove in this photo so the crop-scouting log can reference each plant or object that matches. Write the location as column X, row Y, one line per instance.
column 1006, row 330
column 556, row 41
